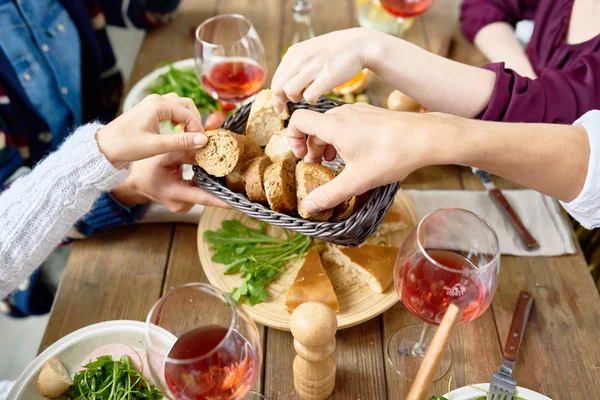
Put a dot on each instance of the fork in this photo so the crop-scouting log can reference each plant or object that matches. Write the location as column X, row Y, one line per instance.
column 503, row 386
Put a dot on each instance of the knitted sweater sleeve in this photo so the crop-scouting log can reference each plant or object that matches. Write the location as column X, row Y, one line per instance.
column 37, row 210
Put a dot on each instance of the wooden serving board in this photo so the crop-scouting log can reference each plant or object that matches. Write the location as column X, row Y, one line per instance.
column 357, row 302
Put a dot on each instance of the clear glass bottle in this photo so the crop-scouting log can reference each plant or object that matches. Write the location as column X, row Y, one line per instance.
column 301, row 27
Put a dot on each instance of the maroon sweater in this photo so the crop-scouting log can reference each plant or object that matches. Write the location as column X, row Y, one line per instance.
column 568, row 81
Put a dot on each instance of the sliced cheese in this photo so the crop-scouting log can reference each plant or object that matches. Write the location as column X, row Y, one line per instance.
column 311, row 284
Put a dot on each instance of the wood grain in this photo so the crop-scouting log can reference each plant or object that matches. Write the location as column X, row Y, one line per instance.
column 116, row 274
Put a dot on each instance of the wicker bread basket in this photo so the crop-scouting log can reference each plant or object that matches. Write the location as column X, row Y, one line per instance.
column 352, row 231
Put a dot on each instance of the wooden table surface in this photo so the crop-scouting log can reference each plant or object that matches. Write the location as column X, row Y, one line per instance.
column 119, row 274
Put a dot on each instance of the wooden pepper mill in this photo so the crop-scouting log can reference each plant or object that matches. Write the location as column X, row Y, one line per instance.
column 313, row 326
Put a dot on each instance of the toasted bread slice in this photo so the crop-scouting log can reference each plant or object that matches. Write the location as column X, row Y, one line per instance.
column 310, row 176
column 373, row 264
column 235, row 180
column 221, row 154
column 278, row 148
column 280, row 185
column 263, row 121
column 392, row 222
column 348, row 207
column 54, row 379
column 254, row 179
column 311, row 284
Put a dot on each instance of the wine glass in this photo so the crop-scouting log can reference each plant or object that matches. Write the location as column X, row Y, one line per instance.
column 452, row 256
column 230, row 58
column 201, row 345
column 409, row 8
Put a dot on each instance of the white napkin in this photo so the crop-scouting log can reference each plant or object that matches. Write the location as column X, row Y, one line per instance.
column 540, row 214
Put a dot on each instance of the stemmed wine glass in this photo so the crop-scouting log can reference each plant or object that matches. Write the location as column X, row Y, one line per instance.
column 201, row 345
column 452, row 256
column 230, row 58
column 409, row 8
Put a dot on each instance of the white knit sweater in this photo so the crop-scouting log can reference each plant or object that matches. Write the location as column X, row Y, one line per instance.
column 37, row 210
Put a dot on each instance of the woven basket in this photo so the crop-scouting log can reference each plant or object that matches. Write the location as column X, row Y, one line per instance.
column 352, row 231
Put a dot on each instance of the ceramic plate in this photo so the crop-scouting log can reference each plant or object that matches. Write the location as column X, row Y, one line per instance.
column 474, row 391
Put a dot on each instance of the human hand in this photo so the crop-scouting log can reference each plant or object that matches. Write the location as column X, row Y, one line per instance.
column 378, row 146
column 323, row 63
column 160, row 179
column 135, row 134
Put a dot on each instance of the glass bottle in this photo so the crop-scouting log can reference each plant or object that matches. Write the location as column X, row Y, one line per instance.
column 301, row 26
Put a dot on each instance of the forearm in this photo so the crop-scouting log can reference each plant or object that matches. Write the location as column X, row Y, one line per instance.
column 551, row 159
column 499, row 44
column 438, row 83
column 37, row 210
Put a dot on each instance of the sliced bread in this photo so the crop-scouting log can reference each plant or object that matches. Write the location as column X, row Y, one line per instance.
column 280, row 185
column 278, row 148
column 372, row 264
column 221, row 153
column 348, row 207
column 254, row 179
column 263, row 121
column 248, row 150
column 310, row 176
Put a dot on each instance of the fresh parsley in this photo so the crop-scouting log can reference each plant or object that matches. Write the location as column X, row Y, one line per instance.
column 259, row 257
column 106, row 379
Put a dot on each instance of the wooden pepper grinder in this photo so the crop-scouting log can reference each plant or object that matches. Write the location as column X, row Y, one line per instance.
column 313, row 326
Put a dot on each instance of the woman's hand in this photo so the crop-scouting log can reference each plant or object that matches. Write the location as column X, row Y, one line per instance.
column 378, row 146
column 323, row 63
column 135, row 135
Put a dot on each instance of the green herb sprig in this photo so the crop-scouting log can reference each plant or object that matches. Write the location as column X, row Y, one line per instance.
column 106, row 379
column 185, row 83
column 258, row 256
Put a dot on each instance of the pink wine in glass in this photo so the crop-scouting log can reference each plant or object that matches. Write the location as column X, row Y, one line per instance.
column 208, row 368
column 427, row 290
column 234, row 80
column 406, row 8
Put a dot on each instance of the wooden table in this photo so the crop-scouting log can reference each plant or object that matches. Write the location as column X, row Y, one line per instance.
column 119, row 274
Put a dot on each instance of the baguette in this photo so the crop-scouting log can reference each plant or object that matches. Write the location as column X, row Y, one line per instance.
column 221, row 154
column 54, row 379
column 280, row 185
column 254, row 179
column 310, row 176
column 248, row 150
column 263, row 121
column 278, row 148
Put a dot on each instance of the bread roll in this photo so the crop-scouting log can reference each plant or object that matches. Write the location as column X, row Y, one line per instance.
column 263, row 121
column 278, row 148
column 280, row 185
column 54, row 380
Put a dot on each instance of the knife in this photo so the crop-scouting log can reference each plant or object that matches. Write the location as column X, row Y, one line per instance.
column 504, row 206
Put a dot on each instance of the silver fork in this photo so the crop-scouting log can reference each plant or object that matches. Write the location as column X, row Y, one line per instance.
column 503, row 386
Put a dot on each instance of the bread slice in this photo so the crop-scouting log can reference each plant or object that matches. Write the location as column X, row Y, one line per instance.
column 280, row 185
column 310, row 176
column 254, row 179
column 372, row 264
column 54, row 379
column 278, row 148
column 311, row 284
column 263, row 121
column 248, row 150
column 221, row 154
column 392, row 222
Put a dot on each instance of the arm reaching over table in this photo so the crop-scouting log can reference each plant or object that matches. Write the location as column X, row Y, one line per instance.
column 38, row 209
column 381, row 146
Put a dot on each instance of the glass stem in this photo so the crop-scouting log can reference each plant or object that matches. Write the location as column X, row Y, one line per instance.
column 420, row 348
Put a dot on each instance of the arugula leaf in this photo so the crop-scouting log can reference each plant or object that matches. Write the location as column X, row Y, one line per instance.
column 259, row 258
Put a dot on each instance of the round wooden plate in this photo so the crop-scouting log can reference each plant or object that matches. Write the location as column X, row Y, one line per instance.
column 357, row 302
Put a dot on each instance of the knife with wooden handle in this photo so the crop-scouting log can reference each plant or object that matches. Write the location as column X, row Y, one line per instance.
column 504, row 206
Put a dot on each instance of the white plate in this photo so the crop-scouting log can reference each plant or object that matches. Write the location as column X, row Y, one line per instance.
column 72, row 349
column 470, row 393
column 142, row 88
